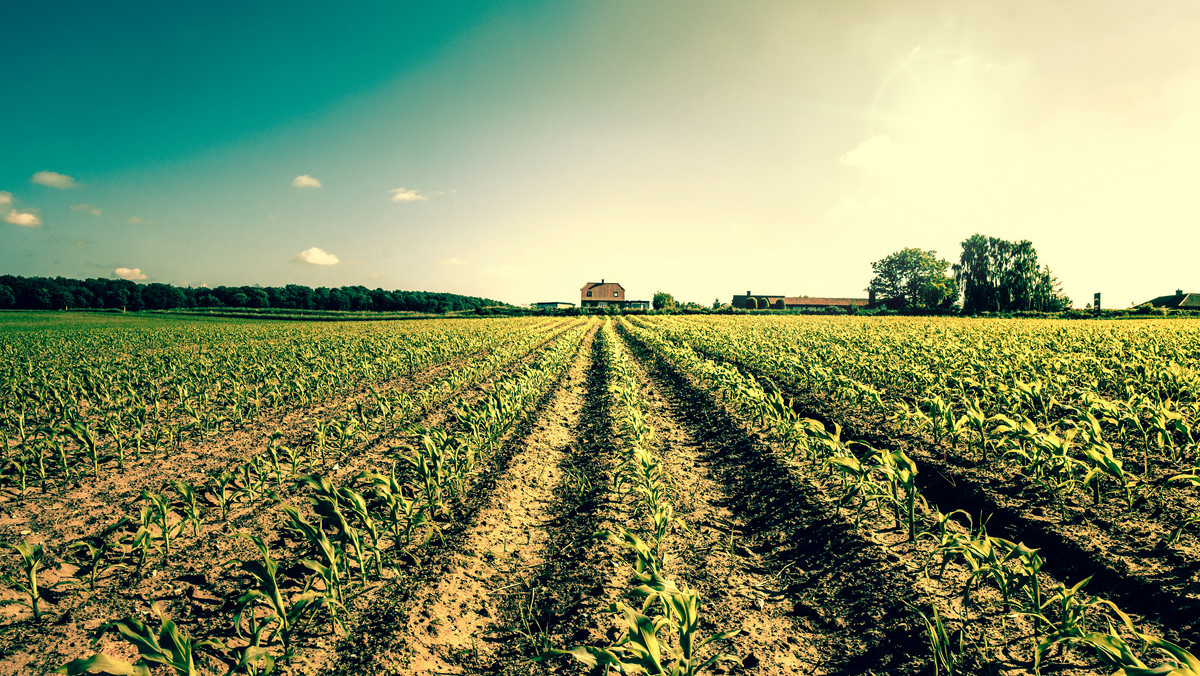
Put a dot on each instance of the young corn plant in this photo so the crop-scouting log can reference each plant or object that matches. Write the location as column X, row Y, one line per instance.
column 401, row 514
column 188, row 505
column 221, row 490
column 90, row 445
column 329, row 570
column 285, row 617
column 645, row 645
column 93, row 562
column 167, row 647
column 951, row 649
column 32, row 556
column 161, row 516
column 900, row 473
column 333, row 505
column 1071, row 629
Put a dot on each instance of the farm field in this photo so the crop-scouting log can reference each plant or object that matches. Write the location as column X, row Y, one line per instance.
column 680, row 494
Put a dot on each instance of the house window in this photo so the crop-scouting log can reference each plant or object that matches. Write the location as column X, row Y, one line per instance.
column 614, row 294
column 589, row 294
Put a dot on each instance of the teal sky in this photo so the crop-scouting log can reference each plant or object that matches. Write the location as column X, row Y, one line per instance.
column 516, row 150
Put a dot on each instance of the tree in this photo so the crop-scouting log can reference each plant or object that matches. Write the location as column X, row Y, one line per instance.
column 1047, row 293
column 663, row 301
column 918, row 278
column 162, row 296
column 716, row 304
column 996, row 275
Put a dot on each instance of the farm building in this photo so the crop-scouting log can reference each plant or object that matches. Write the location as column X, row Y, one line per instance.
column 608, row 294
column 751, row 301
column 1177, row 301
column 552, row 305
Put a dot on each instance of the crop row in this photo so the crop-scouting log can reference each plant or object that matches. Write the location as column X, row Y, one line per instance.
column 878, row 486
column 1107, row 413
column 114, row 393
column 661, row 633
column 349, row 534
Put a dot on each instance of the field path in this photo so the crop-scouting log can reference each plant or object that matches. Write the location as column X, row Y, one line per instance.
column 843, row 592
column 525, row 550
column 738, row 588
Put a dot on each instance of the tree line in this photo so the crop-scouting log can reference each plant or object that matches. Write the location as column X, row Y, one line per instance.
column 60, row 293
column 992, row 275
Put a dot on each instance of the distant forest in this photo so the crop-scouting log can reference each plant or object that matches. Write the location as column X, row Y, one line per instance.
column 59, row 293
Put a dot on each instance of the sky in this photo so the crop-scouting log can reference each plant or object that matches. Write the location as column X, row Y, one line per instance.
column 517, row 150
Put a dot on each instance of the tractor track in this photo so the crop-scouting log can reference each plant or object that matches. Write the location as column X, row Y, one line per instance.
column 194, row 585
column 846, row 590
column 439, row 618
column 739, row 588
column 1160, row 584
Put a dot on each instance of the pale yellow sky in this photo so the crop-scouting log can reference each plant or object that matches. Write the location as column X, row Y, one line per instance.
column 702, row 147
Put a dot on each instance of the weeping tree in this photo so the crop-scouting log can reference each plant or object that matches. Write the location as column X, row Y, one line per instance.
column 996, row 275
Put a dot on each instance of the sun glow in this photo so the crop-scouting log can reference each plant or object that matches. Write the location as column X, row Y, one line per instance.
column 946, row 100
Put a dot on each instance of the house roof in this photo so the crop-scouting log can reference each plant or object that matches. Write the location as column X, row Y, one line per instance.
column 1182, row 301
column 590, row 285
column 824, row 302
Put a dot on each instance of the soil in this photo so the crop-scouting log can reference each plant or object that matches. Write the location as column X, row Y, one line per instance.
column 518, row 568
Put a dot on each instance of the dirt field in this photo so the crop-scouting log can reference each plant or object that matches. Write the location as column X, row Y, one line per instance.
column 514, row 458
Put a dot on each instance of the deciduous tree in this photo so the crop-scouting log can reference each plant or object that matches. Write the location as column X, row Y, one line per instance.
column 918, row 278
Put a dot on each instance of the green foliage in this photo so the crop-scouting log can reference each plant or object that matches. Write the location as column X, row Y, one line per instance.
column 918, row 278
column 663, row 301
column 285, row 616
column 32, row 556
column 996, row 275
column 167, row 647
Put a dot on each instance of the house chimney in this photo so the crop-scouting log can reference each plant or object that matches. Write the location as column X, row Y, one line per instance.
column 601, row 280
column 1178, row 292
column 748, row 292
column 1096, row 303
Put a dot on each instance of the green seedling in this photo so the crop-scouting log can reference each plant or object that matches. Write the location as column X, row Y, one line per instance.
column 167, row 647
column 32, row 556
column 285, row 617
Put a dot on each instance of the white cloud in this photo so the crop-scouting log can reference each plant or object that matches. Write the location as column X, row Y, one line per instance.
column 137, row 220
column 374, row 276
column 93, row 210
column 306, row 181
column 406, row 195
column 453, row 261
column 873, row 156
column 54, row 179
column 23, row 219
column 5, row 198
column 129, row 273
column 316, row 256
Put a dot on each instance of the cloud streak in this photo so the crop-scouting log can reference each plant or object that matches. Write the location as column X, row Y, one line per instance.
column 306, row 181
column 89, row 208
column 54, row 180
column 316, row 256
column 406, row 195
column 453, row 261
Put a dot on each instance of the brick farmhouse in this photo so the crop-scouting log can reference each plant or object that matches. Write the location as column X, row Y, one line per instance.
column 608, row 294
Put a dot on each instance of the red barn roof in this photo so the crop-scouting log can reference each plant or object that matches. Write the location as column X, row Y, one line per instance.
column 602, row 290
